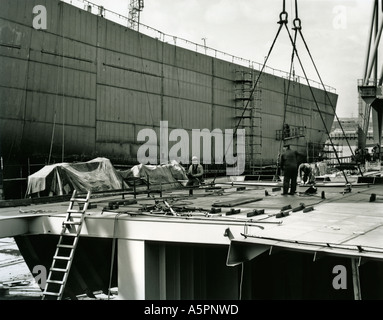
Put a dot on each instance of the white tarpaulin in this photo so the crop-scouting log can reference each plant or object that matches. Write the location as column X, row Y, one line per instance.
column 59, row 179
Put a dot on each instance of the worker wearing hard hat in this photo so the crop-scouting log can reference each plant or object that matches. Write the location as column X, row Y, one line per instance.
column 195, row 173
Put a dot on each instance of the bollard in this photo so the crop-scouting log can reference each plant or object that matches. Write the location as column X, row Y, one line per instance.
column 282, row 214
column 299, row 208
column 233, row 211
column 255, row 212
column 215, row 210
column 375, row 197
column 323, row 195
column 308, row 209
column 286, row 207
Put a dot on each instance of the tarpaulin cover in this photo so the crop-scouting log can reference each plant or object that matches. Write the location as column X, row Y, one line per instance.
column 166, row 175
column 59, row 179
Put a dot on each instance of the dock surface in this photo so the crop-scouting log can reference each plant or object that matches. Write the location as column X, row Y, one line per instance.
column 248, row 218
column 333, row 214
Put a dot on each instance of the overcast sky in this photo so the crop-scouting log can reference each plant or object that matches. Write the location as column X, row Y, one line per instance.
column 336, row 32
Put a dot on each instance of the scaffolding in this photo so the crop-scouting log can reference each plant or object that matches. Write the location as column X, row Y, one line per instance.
column 248, row 106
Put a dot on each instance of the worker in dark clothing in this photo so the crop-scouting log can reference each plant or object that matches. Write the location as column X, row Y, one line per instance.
column 376, row 152
column 289, row 165
column 195, row 173
column 286, row 131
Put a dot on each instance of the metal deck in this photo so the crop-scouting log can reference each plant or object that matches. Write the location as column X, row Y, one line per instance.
column 335, row 221
column 338, row 216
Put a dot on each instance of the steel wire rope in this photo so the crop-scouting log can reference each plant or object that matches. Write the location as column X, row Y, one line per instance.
column 315, row 100
column 286, row 102
column 321, row 81
column 283, row 19
column 324, row 87
column 295, row 36
column 326, row 93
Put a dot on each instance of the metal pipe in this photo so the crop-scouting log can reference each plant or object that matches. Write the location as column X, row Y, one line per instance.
column 375, row 51
column 381, row 77
column 365, row 78
column 356, row 279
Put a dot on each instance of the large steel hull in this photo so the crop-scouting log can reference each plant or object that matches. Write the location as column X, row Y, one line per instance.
column 86, row 87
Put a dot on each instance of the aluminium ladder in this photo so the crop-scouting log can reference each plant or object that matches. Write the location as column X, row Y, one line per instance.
column 66, row 247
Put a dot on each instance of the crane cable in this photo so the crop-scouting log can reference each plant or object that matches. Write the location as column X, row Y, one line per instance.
column 282, row 21
column 286, row 100
column 298, row 26
column 332, row 106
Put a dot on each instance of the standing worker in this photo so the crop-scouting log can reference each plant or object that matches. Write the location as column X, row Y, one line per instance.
column 289, row 165
column 195, row 173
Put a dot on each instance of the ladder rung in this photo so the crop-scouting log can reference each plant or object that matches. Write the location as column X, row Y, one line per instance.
column 75, row 211
column 55, row 281
column 59, row 270
column 67, row 246
column 72, row 222
column 51, row 294
column 70, row 234
column 69, row 258
column 62, row 258
column 79, row 199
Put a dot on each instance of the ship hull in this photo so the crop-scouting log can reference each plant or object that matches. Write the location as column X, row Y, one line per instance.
column 86, row 87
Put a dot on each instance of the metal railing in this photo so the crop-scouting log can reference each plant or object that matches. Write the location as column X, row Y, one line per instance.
column 369, row 82
column 293, row 132
column 190, row 45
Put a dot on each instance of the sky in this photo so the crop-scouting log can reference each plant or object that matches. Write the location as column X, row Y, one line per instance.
column 336, row 33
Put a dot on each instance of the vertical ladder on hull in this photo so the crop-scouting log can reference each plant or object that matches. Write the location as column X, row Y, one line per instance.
column 250, row 98
column 257, row 124
column 66, row 247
